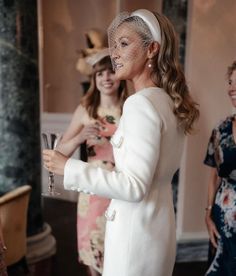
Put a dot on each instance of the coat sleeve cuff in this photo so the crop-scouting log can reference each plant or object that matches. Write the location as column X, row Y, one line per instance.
column 71, row 172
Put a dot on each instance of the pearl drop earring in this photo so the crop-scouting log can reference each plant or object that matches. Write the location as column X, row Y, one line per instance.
column 149, row 65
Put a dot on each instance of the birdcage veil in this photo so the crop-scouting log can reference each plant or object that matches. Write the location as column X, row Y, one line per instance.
column 142, row 21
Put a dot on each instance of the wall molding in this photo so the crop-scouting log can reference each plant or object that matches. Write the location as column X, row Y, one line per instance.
column 192, row 236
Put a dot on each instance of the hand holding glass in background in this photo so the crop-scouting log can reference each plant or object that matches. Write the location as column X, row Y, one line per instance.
column 50, row 141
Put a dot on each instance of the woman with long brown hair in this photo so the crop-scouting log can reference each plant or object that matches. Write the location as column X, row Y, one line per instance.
column 140, row 230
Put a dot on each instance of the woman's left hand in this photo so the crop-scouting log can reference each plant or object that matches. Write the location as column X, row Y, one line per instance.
column 54, row 161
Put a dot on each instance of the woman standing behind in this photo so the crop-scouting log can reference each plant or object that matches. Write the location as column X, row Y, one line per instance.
column 140, row 230
column 95, row 121
column 221, row 209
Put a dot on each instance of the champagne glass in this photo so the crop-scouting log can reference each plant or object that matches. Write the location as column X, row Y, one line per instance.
column 50, row 141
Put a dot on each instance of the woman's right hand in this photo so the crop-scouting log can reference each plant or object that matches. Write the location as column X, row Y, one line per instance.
column 88, row 132
column 212, row 230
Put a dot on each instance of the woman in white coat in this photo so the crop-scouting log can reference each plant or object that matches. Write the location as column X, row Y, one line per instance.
column 140, row 230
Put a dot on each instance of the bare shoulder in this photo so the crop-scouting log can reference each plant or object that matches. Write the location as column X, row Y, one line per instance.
column 81, row 114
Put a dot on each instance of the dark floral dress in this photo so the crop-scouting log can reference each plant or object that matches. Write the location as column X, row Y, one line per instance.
column 221, row 154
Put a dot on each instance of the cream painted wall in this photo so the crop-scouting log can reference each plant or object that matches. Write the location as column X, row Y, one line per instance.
column 131, row 5
column 211, row 47
column 62, row 26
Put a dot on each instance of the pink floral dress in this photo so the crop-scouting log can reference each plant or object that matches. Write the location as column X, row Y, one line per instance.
column 91, row 208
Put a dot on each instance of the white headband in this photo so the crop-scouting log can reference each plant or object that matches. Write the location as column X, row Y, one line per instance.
column 151, row 21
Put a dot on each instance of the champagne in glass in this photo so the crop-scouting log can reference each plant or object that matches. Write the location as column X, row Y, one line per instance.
column 50, row 141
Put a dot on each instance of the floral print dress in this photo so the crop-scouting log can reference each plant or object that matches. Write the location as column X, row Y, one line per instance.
column 91, row 208
column 221, row 154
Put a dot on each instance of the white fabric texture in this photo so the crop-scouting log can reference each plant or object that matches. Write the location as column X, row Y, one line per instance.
column 140, row 231
column 152, row 22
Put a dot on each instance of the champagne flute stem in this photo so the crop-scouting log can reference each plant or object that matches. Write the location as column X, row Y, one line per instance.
column 51, row 182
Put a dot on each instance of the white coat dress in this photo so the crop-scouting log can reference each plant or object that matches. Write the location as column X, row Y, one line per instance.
column 140, row 235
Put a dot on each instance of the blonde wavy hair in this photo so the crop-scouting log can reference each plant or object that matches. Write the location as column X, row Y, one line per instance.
column 167, row 73
column 166, row 70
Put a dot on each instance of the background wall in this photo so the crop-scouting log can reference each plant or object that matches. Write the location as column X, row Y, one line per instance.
column 211, row 44
column 63, row 24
